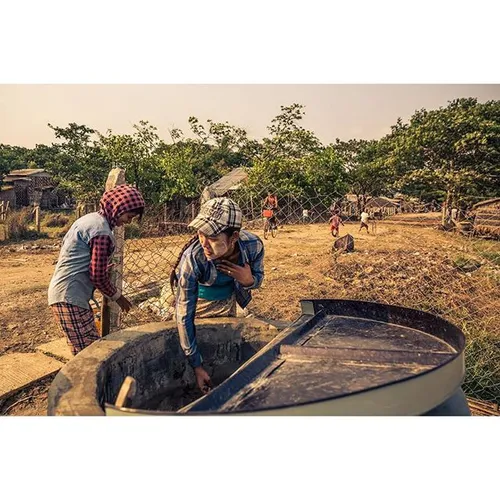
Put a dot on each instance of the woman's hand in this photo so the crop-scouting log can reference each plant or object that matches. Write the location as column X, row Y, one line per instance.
column 203, row 379
column 242, row 274
column 124, row 303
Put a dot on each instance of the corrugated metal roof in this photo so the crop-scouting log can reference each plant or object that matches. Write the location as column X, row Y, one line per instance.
column 231, row 180
column 486, row 202
column 28, row 171
column 381, row 201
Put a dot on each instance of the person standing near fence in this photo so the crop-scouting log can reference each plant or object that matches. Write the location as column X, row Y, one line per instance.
column 215, row 270
column 364, row 221
column 83, row 265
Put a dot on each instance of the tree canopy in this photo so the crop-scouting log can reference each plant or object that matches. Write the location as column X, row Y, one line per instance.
column 451, row 153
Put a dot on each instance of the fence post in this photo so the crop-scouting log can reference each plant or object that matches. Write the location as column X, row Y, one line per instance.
column 110, row 311
column 37, row 217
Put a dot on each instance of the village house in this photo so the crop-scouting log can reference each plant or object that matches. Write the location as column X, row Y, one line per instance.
column 487, row 217
column 383, row 206
column 7, row 196
column 29, row 186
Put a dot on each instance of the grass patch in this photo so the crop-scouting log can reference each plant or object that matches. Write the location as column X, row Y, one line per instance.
column 466, row 264
column 18, row 225
column 482, row 361
column 492, row 257
column 55, row 220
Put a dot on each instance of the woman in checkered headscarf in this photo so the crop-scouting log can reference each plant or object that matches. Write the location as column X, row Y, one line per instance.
column 216, row 270
column 83, row 265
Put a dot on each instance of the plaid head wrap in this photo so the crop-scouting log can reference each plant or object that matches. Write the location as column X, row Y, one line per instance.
column 119, row 200
column 216, row 215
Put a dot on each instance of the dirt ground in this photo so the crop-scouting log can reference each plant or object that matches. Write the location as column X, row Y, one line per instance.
column 413, row 265
column 25, row 272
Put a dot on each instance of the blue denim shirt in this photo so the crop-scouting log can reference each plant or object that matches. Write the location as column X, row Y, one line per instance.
column 194, row 268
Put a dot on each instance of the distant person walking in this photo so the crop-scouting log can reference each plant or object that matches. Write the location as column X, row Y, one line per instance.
column 364, row 221
column 306, row 216
column 335, row 221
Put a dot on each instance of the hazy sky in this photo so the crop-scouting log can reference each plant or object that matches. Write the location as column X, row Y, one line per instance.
column 344, row 111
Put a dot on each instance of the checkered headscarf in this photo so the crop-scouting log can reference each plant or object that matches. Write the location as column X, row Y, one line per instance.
column 216, row 215
column 117, row 201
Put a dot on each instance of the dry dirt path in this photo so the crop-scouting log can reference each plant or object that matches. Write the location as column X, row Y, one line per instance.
column 298, row 264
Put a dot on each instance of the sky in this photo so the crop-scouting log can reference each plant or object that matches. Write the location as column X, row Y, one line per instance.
column 364, row 111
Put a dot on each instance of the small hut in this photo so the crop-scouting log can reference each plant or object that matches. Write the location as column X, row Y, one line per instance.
column 382, row 205
column 487, row 217
column 31, row 186
column 225, row 184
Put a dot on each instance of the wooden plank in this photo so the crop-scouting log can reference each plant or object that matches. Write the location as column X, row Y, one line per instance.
column 424, row 358
column 486, row 222
column 127, row 392
column 488, row 215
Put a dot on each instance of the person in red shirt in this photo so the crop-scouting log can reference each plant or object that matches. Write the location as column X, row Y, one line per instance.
column 335, row 221
column 270, row 203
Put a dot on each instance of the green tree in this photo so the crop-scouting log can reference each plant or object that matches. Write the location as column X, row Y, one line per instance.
column 287, row 139
column 292, row 159
column 12, row 158
column 454, row 150
column 82, row 166
column 43, row 156
column 366, row 172
column 140, row 155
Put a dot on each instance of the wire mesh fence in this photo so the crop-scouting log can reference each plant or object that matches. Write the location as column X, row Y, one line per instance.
column 414, row 255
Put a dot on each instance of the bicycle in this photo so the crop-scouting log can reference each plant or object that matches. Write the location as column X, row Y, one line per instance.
column 269, row 228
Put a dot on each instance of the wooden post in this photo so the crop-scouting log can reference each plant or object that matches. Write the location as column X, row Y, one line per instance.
column 37, row 217
column 110, row 311
column 126, row 393
column 443, row 213
column 4, row 209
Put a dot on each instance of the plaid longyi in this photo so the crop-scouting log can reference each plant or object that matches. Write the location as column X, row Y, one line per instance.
column 77, row 324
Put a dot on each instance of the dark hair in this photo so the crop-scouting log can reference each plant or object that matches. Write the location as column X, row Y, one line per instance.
column 173, row 276
column 230, row 231
column 137, row 211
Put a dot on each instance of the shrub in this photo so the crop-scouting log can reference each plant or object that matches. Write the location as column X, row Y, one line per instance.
column 132, row 231
column 18, row 224
column 56, row 220
column 466, row 264
column 482, row 359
